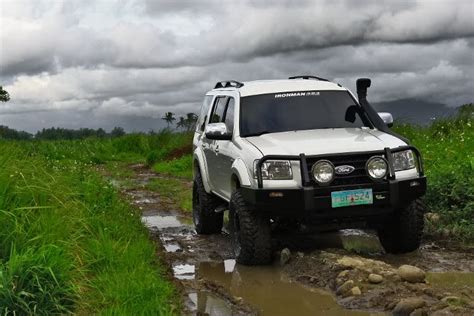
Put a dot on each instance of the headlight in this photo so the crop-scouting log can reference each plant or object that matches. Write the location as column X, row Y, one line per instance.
column 377, row 167
column 323, row 171
column 274, row 170
column 403, row 160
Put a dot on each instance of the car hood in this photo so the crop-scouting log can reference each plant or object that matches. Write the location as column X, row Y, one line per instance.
column 324, row 141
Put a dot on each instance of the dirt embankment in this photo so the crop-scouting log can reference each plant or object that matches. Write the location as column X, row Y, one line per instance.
column 388, row 283
column 345, row 272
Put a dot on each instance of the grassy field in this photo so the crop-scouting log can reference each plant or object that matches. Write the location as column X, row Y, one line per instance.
column 69, row 244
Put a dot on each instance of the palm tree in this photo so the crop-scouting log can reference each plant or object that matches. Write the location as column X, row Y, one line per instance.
column 181, row 123
column 191, row 120
column 169, row 118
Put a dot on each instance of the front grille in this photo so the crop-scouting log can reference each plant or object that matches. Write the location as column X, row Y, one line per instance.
column 358, row 177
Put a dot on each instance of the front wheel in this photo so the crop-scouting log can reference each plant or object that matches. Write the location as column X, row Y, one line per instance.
column 206, row 220
column 402, row 233
column 250, row 233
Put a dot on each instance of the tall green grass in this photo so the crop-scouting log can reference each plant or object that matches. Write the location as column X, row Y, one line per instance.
column 447, row 147
column 68, row 243
column 180, row 167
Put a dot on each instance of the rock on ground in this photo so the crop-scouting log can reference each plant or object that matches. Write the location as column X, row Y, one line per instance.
column 375, row 278
column 411, row 274
column 408, row 305
column 355, row 291
column 345, row 287
column 452, row 300
column 285, row 256
column 349, row 262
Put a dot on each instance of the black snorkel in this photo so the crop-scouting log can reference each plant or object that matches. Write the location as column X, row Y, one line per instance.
column 362, row 85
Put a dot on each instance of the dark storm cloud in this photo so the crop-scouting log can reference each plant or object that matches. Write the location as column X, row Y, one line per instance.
column 129, row 59
column 239, row 31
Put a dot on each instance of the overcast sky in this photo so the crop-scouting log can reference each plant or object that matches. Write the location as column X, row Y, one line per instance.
column 106, row 63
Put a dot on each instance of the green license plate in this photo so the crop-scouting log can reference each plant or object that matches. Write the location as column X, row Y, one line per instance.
column 351, row 197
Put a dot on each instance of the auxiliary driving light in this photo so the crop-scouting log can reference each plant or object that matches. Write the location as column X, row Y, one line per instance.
column 377, row 168
column 323, row 172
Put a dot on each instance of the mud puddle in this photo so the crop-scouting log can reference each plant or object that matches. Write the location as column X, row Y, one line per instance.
column 241, row 289
column 308, row 285
column 269, row 291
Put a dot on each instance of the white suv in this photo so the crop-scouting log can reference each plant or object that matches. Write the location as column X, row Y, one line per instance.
column 304, row 152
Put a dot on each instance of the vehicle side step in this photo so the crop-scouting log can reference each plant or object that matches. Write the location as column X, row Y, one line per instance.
column 221, row 208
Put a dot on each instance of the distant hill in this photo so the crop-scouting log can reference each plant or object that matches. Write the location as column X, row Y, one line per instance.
column 415, row 111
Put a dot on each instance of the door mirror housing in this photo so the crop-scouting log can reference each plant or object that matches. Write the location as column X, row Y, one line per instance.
column 387, row 118
column 217, row 131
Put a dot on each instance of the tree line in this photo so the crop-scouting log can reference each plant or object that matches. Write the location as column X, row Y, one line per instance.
column 186, row 123
column 55, row 133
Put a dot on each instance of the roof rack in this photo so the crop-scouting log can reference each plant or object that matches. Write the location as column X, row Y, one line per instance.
column 308, row 77
column 228, row 84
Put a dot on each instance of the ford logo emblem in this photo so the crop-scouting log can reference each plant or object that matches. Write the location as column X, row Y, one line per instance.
column 344, row 169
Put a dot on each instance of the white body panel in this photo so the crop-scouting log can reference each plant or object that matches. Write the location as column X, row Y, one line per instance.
column 324, row 141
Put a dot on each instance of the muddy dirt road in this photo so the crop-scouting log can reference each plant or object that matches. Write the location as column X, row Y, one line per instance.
column 344, row 273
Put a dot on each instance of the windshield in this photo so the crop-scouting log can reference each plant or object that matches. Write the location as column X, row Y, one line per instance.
column 302, row 110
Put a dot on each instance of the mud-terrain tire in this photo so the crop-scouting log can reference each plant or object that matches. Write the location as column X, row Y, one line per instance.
column 206, row 221
column 403, row 232
column 250, row 233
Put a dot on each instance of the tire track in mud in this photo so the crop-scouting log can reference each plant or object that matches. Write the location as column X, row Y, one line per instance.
column 214, row 284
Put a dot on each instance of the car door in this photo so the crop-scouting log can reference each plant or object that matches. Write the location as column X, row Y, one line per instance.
column 224, row 150
column 209, row 145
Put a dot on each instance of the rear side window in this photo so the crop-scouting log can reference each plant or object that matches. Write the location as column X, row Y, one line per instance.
column 201, row 124
column 218, row 111
column 229, row 115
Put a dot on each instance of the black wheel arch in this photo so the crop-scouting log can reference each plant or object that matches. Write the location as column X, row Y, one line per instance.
column 234, row 182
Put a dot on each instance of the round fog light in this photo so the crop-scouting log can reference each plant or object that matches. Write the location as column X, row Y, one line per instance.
column 377, row 168
column 323, row 171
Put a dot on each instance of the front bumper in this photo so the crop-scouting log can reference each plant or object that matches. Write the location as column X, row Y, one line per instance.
column 312, row 201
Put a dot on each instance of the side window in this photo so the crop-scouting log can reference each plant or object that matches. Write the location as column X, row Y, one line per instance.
column 229, row 115
column 218, row 111
column 201, row 123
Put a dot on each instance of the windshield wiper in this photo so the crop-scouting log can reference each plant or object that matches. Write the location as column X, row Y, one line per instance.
column 258, row 134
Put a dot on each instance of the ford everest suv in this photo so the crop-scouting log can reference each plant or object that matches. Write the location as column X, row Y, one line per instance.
column 303, row 151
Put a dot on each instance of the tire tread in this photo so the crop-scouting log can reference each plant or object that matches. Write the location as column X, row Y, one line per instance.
column 210, row 222
column 255, row 233
column 403, row 234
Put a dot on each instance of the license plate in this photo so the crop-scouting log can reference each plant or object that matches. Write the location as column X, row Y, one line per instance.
column 351, row 197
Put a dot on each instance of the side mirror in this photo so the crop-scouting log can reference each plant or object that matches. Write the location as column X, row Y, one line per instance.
column 387, row 118
column 217, row 131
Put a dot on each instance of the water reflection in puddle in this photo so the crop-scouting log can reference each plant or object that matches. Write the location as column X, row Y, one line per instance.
column 146, row 201
column 207, row 304
column 269, row 291
column 172, row 247
column 161, row 222
column 184, row 271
